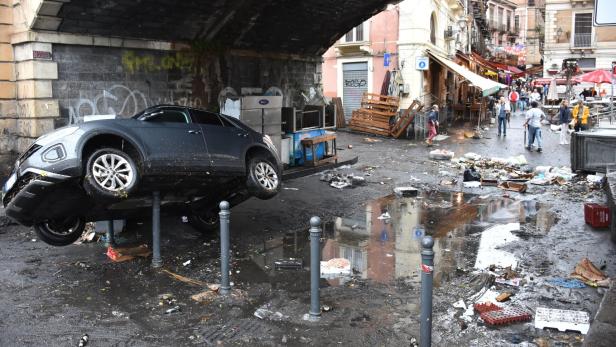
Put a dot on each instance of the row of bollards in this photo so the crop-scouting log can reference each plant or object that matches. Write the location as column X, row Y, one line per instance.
column 314, row 314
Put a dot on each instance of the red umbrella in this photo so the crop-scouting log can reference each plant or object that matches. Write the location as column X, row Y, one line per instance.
column 597, row 76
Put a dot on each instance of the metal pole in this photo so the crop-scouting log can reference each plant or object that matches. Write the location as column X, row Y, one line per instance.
column 315, row 268
column 110, row 234
column 156, row 258
column 427, row 269
column 224, row 214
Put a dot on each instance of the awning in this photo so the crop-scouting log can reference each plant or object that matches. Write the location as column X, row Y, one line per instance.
column 487, row 86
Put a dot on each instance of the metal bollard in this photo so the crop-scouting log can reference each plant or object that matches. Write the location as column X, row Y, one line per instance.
column 427, row 270
column 110, row 234
column 224, row 214
column 157, row 261
column 315, row 268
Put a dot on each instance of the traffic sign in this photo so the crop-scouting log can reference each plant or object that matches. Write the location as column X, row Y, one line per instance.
column 422, row 63
column 386, row 59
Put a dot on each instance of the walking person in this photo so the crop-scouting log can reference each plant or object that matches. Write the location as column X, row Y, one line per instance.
column 502, row 109
column 432, row 124
column 580, row 115
column 534, row 116
column 564, row 114
column 514, row 96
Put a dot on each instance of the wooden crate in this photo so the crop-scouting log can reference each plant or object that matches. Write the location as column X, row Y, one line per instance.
column 406, row 119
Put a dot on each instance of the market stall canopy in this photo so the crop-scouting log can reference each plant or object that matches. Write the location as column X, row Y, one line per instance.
column 546, row 80
column 487, row 86
column 597, row 76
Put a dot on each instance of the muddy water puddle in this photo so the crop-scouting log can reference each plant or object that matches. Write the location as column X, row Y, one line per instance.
column 381, row 240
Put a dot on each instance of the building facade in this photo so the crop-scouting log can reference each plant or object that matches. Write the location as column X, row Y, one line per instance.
column 358, row 61
column 438, row 26
column 570, row 33
column 501, row 23
column 529, row 24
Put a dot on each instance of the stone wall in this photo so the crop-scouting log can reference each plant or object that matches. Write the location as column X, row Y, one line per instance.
column 104, row 80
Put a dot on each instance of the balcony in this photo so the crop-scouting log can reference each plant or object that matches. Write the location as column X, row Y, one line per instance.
column 582, row 40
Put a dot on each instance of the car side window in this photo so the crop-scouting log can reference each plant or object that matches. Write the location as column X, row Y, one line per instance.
column 227, row 123
column 206, row 118
column 168, row 116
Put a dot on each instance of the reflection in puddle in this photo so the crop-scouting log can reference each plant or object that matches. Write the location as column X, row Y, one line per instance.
column 382, row 241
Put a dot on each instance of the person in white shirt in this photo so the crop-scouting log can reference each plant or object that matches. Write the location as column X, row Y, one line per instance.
column 535, row 96
column 534, row 116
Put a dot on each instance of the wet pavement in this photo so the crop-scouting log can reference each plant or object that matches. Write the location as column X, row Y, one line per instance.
column 52, row 296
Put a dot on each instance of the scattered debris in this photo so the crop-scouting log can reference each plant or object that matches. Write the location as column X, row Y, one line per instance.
column 441, row 154
column 120, row 254
column 371, row 140
column 83, row 341
column 406, row 191
column 336, row 267
column 290, row 188
column 89, row 234
column 341, row 181
column 205, row 296
column 440, row 137
column 513, row 186
column 562, row 320
column 472, row 184
column 571, row 283
column 326, row 308
column 264, row 313
column 289, row 264
column 184, row 279
column 174, row 309
column 460, row 304
column 471, row 175
column 588, row 273
column 504, row 296
column 514, row 282
column 186, row 263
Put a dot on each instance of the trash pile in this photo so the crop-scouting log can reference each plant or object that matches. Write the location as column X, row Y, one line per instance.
column 341, row 181
column 588, row 273
column 511, row 173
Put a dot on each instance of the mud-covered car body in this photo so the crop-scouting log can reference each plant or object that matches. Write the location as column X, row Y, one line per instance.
column 193, row 157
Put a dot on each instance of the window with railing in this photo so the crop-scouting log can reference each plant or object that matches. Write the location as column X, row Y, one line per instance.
column 582, row 33
column 516, row 24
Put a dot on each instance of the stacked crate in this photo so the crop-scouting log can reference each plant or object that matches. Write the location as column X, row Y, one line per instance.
column 375, row 115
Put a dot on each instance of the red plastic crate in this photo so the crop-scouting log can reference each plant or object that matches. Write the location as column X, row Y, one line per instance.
column 598, row 216
column 506, row 316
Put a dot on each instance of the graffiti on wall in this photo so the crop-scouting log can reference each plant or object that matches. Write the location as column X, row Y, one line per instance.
column 122, row 101
column 355, row 83
column 133, row 63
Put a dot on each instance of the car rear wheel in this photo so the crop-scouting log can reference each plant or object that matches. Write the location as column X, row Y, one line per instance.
column 205, row 222
column 263, row 179
column 60, row 232
column 110, row 173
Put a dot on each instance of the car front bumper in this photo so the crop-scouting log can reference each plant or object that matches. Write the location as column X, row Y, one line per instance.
column 24, row 196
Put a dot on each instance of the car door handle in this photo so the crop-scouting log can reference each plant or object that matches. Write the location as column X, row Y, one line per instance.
column 194, row 132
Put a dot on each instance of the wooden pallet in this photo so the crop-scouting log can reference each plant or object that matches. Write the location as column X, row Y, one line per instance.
column 369, row 130
column 406, row 119
column 378, row 99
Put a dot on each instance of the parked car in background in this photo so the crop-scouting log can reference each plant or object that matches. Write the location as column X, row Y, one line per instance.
column 108, row 169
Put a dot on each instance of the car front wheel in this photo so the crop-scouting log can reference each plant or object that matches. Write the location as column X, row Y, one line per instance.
column 263, row 179
column 60, row 232
column 110, row 173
